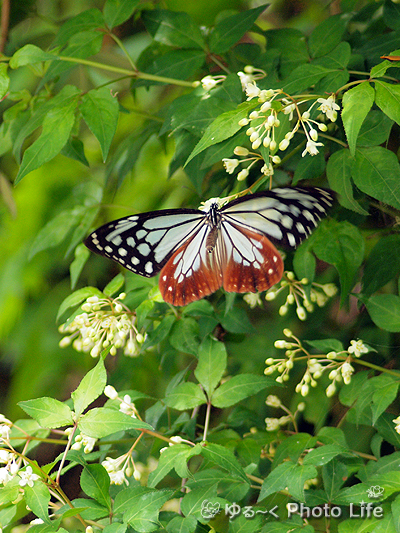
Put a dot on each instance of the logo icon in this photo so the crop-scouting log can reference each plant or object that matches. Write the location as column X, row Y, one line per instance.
column 209, row 510
column 375, row 491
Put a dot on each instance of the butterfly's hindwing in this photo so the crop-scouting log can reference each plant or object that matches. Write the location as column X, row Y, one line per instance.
column 252, row 263
column 144, row 243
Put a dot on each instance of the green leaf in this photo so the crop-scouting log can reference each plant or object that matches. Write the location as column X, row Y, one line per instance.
column 304, row 263
column 236, row 320
column 77, row 298
column 67, row 96
column 101, row 421
column 87, row 20
column 224, row 458
column 384, row 309
column 90, row 388
column 293, row 447
column 211, row 365
column 185, row 335
column 375, row 129
column 323, row 454
column 277, row 480
column 182, row 524
column 114, row 285
column 56, row 230
column 95, row 482
column 81, row 46
column 388, row 99
column 172, row 457
column 309, row 168
column 177, row 64
column 57, row 126
column 48, row 412
column 223, row 127
column 118, row 11
column 4, row 80
column 391, row 16
column 185, row 396
column 303, row 76
column 338, row 171
column 38, row 499
column 357, row 103
column 382, row 264
column 327, row 35
column 326, row 345
column 383, row 397
column 160, row 333
column 376, row 172
column 173, row 28
column 82, row 254
column 74, row 150
column 140, row 507
column 28, row 55
column 342, row 245
column 230, row 30
column 238, row 388
column 100, row 110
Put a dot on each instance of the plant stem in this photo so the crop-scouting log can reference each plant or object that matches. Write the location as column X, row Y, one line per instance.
column 126, row 72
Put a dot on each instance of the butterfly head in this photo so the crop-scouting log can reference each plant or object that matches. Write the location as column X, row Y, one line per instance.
column 212, row 204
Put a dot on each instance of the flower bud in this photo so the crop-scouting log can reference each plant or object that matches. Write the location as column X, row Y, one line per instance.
column 241, row 151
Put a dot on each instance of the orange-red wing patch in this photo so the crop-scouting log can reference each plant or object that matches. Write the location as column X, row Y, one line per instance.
column 255, row 274
column 181, row 290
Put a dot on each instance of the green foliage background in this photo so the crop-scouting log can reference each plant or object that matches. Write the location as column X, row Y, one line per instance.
column 124, row 136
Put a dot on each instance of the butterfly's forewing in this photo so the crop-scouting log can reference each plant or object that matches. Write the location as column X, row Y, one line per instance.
column 144, row 243
column 285, row 215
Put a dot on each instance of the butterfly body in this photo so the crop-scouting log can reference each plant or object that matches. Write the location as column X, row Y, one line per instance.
column 229, row 246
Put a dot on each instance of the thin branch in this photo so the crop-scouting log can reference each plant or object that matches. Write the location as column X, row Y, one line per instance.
column 5, row 20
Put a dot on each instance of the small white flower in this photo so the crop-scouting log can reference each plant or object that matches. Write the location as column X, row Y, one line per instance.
column 241, row 151
column 331, row 389
column 329, row 107
column 272, row 424
column 27, row 477
column 357, row 348
column 267, row 169
column 288, row 110
column 230, row 165
column 110, row 392
column 5, row 475
column 347, row 371
column 273, row 401
column 252, row 91
column 242, row 175
column 252, row 299
column 208, row 83
column 175, row 440
column 284, row 144
column 311, row 148
column 128, row 407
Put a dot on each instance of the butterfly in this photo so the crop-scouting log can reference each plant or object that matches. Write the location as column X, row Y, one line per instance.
column 230, row 245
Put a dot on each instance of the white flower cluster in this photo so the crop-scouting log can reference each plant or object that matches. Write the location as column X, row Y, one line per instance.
column 126, row 405
column 120, row 468
column 318, row 294
column 123, row 467
column 263, row 124
column 249, row 75
column 104, row 322
column 272, row 424
column 13, row 466
column 337, row 363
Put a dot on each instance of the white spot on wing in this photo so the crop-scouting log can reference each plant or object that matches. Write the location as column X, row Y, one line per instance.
column 122, row 252
column 144, row 249
column 149, row 267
